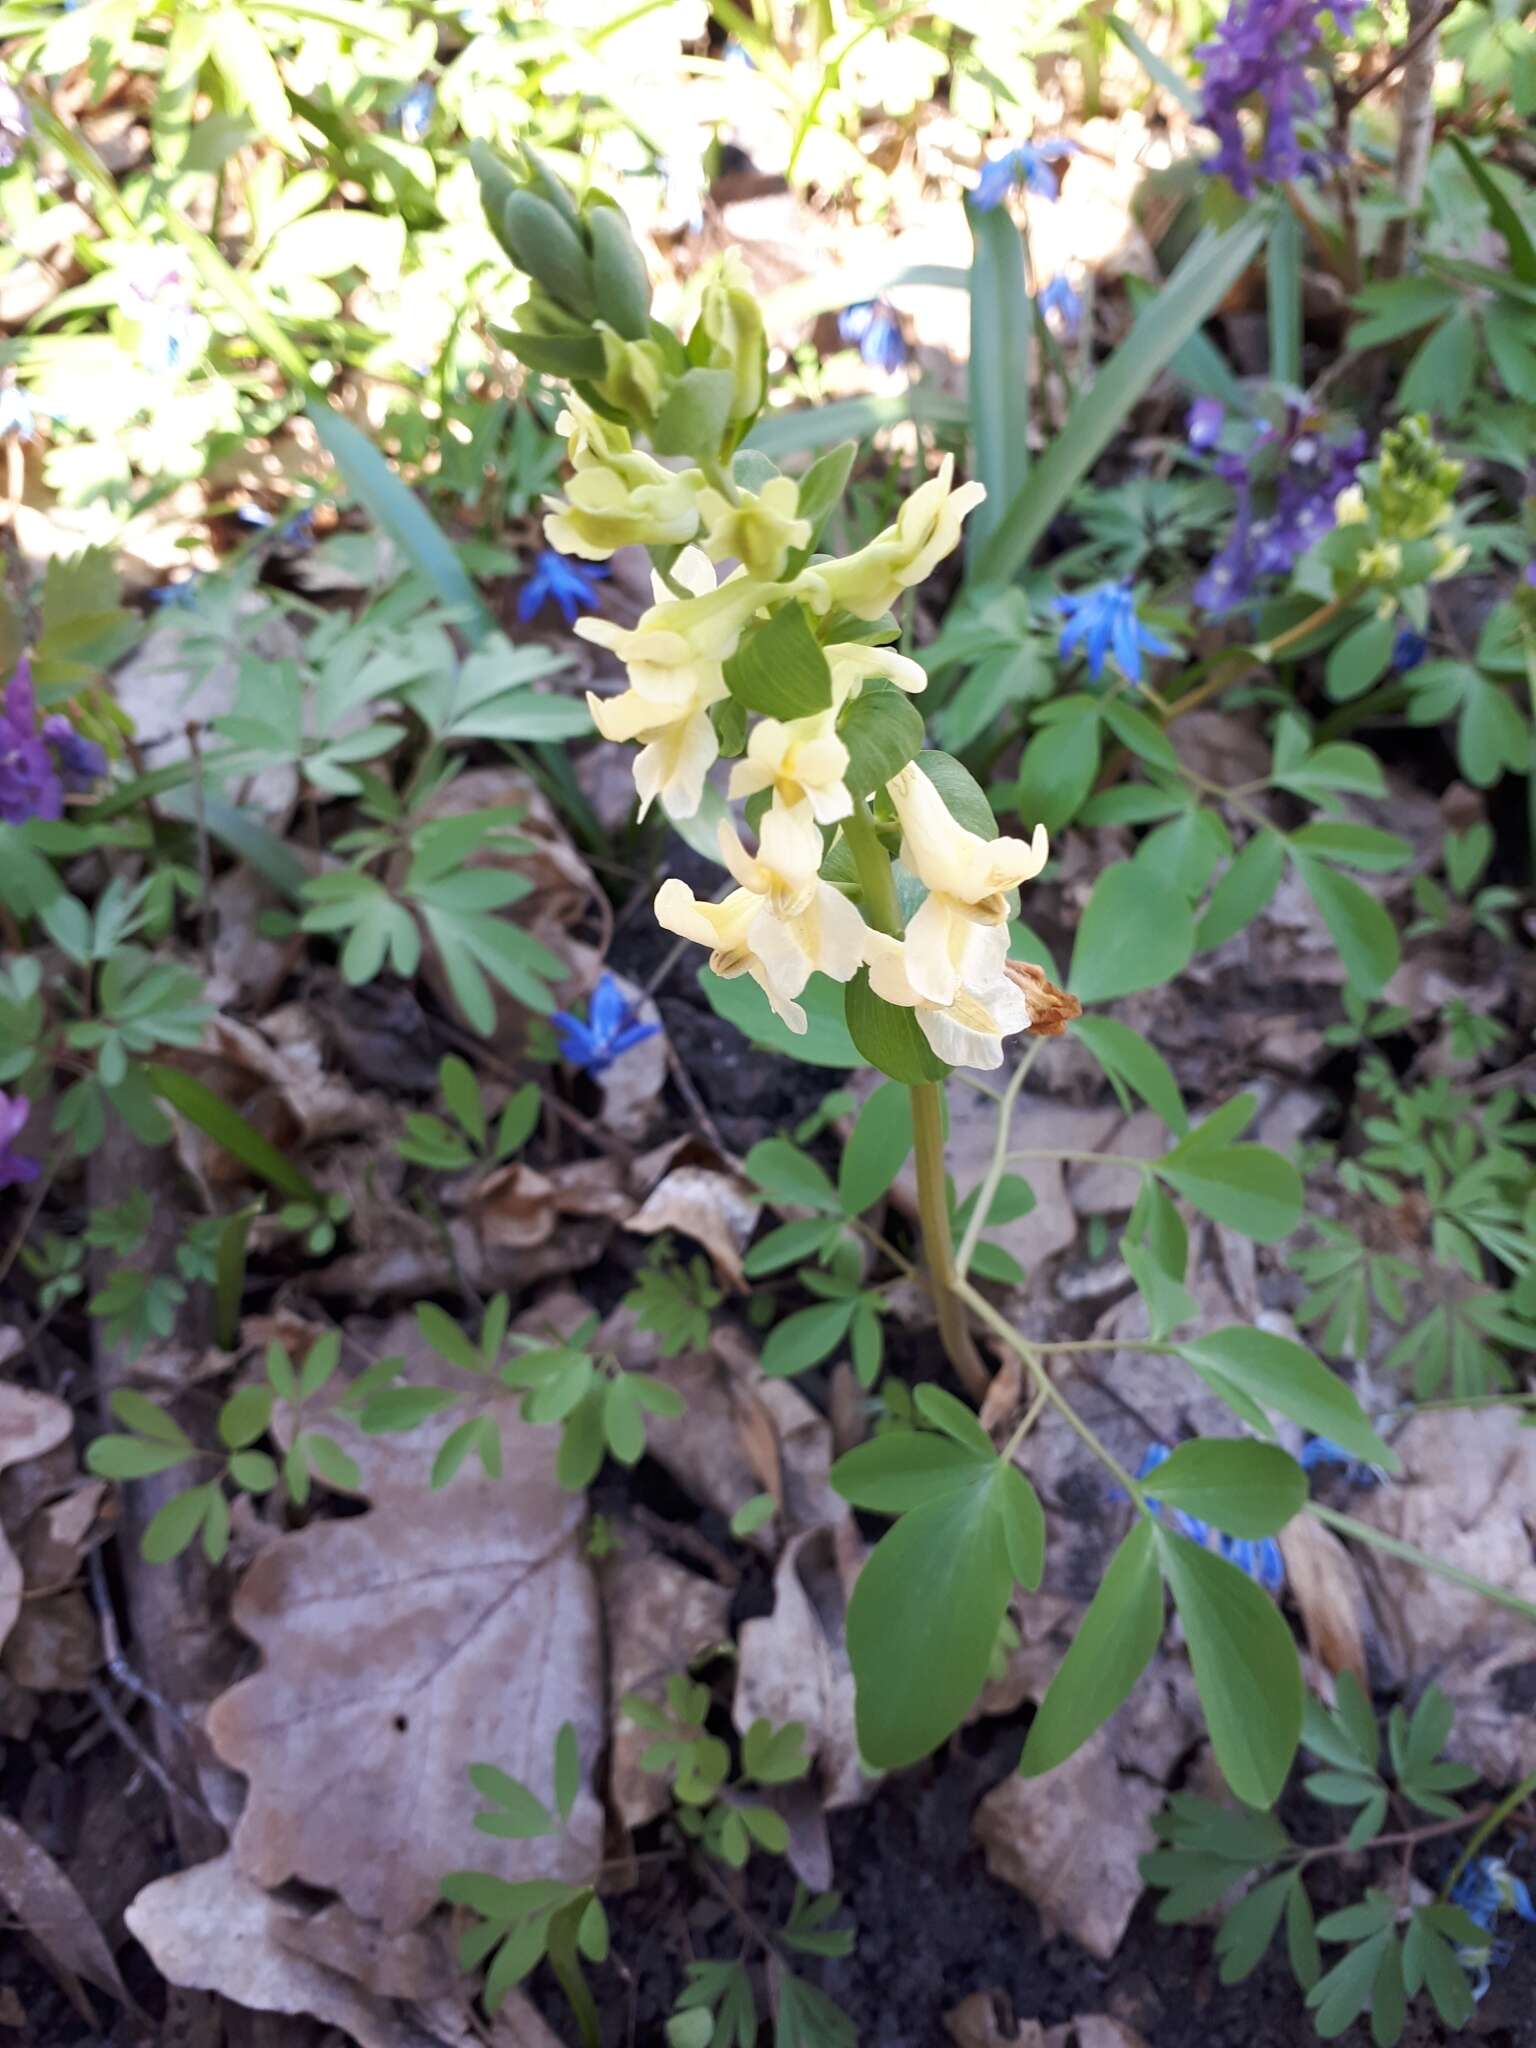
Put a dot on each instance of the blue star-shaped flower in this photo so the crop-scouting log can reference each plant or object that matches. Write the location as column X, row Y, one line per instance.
column 1103, row 622
column 1322, row 1450
column 1027, row 164
column 556, row 579
column 610, row 1029
column 1058, row 297
column 1260, row 1558
column 871, row 325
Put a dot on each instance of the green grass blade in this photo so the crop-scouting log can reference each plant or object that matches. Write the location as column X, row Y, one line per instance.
column 394, row 506
column 1157, row 70
column 1284, row 291
column 819, row 426
column 1001, row 350
column 227, row 1127
column 1198, row 285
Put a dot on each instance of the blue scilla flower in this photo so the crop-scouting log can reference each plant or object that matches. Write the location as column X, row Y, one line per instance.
column 1103, row 622
column 1059, row 298
column 16, row 413
column 873, row 328
column 1486, row 1888
column 556, row 579
column 1322, row 1450
column 611, row 1028
column 1027, row 164
column 414, row 112
column 1408, row 649
column 1259, row 1557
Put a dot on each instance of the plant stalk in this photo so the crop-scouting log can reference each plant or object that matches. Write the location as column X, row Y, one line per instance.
column 883, row 911
column 938, row 1247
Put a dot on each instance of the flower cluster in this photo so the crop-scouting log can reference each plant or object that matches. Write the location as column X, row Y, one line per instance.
column 1288, row 473
column 40, row 766
column 1485, row 1889
column 1259, row 1557
column 784, row 921
column 1394, row 523
column 1261, row 52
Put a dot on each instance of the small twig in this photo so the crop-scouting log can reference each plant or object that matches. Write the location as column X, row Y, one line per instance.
column 1408, row 1838
column 112, row 1648
column 107, row 1707
column 695, row 1101
column 1353, row 95
column 678, row 1536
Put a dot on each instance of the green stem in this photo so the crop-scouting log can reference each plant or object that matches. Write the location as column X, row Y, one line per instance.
column 1025, row 1351
column 938, row 1248
column 1493, row 1820
column 719, row 476
column 987, row 1192
column 877, row 885
column 1394, row 1546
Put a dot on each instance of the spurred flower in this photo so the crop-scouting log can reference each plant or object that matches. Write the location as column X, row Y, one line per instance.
column 801, row 761
column 675, row 658
column 760, row 530
column 783, row 924
column 853, row 665
column 958, row 938
column 966, row 1031
column 30, row 783
column 927, row 528
column 616, row 495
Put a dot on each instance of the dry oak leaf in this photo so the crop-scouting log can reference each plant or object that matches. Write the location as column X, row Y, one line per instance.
column 437, row 1631
column 38, row 1896
column 30, row 1426
column 211, row 1929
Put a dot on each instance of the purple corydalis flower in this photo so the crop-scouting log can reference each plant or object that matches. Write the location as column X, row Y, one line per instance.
column 609, row 1029
column 1287, row 481
column 15, row 124
column 1207, row 417
column 1103, row 622
column 1261, row 52
column 15, row 1167
column 1027, row 164
column 873, row 328
column 30, row 786
column 556, row 579
column 81, row 762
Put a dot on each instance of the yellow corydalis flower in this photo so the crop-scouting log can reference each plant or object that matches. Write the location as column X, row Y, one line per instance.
column 674, row 658
column 782, row 924
column 959, row 936
column 802, row 762
column 966, row 1031
column 853, row 665
column 760, row 530
column 926, row 529
column 616, row 495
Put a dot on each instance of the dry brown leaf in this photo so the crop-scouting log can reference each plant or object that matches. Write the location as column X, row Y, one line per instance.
column 794, row 1662
column 985, row 2020
column 414, row 1965
column 400, row 1647
column 659, row 1617
column 1467, row 1497
column 31, row 1425
column 717, row 1210
column 1070, row 1842
column 212, row 1929
column 1325, row 1585
column 517, row 1206
column 40, row 1898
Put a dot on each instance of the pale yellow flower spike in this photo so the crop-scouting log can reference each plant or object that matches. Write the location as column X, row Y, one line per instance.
column 959, row 935
column 966, row 1031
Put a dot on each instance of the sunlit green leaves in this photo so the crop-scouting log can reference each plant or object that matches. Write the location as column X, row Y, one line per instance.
column 1134, row 934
